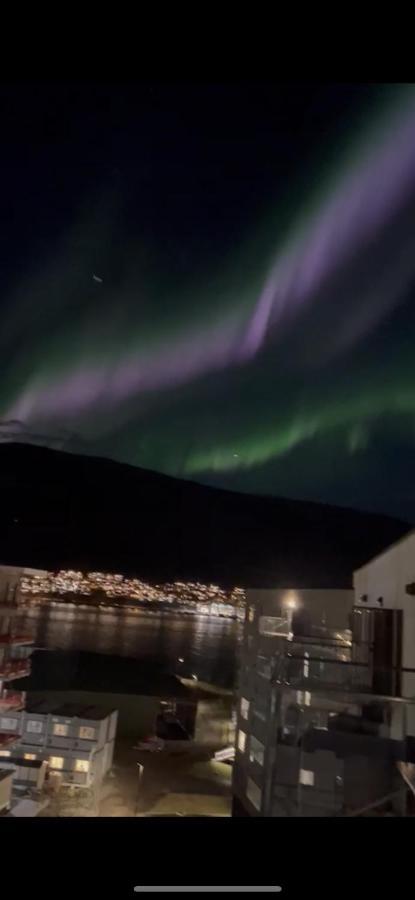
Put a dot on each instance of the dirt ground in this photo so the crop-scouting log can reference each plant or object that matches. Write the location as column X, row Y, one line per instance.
column 190, row 771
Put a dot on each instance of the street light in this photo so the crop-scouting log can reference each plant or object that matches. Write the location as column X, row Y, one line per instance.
column 140, row 775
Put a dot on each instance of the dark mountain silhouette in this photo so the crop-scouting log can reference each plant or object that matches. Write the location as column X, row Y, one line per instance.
column 13, row 430
column 61, row 510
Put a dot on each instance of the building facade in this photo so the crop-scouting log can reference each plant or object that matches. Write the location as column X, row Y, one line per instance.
column 321, row 730
column 76, row 742
column 5, row 790
column 15, row 651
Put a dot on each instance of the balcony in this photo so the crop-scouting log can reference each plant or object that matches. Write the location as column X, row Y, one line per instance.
column 16, row 640
column 309, row 672
column 274, row 626
column 14, row 668
column 7, row 740
column 12, row 700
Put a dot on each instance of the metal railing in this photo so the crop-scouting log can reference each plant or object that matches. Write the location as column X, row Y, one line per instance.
column 16, row 639
column 264, row 667
column 307, row 671
column 317, row 650
column 7, row 739
column 12, row 700
column 274, row 626
column 15, row 668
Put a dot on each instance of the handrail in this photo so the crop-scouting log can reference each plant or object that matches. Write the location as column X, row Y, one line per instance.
column 12, row 699
column 346, row 662
column 18, row 666
column 16, row 638
column 8, row 738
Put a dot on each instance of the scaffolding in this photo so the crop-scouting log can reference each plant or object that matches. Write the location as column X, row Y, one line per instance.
column 334, row 746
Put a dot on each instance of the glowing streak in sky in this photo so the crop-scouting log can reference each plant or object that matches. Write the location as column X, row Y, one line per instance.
column 353, row 215
column 369, row 192
column 278, row 438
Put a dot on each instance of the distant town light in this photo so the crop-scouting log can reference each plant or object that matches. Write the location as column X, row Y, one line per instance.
column 206, row 599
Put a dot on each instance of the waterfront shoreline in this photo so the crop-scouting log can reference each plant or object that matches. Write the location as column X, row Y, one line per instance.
column 151, row 644
column 28, row 603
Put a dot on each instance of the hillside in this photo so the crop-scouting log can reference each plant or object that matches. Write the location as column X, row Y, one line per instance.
column 61, row 510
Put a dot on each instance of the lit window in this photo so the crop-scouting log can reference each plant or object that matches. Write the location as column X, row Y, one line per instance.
column 56, row 762
column 34, row 726
column 5, row 752
column 306, row 777
column 256, row 751
column 29, row 756
column 88, row 734
column 253, row 792
column 60, row 729
column 241, row 741
column 303, row 698
column 8, row 724
column 251, row 613
column 244, row 708
column 82, row 765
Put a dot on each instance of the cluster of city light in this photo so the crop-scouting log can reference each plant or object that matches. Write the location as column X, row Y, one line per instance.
column 210, row 598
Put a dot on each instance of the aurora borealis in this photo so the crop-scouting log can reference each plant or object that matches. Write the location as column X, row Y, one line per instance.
column 228, row 301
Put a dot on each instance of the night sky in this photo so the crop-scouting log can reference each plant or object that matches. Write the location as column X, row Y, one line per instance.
column 215, row 281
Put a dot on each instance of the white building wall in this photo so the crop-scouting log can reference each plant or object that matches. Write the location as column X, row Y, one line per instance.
column 112, row 725
column 98, row 764
column 5, row 789
column 108, row 756
column 387, row 576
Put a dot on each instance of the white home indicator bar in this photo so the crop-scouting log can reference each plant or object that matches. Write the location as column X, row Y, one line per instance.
column 209, row 889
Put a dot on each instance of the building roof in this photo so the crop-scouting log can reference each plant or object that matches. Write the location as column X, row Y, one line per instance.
column 27, row 763
column 79, row 711
column 402, row 540
column 68, row 710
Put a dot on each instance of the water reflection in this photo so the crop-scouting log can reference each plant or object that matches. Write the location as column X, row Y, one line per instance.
column 207, row 645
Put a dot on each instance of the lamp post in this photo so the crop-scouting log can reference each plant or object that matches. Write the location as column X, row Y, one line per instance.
column 140, row 775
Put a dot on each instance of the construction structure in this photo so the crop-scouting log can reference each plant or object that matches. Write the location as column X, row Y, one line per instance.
column 323, row 726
